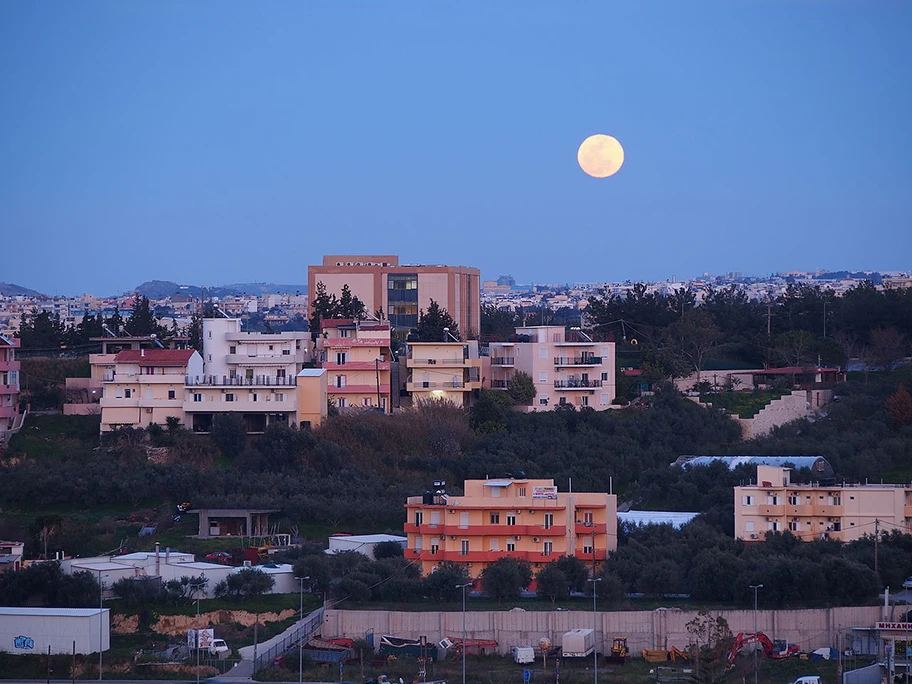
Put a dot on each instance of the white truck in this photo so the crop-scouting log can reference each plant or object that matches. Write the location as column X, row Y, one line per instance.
column 578, row 643
column 523, row 654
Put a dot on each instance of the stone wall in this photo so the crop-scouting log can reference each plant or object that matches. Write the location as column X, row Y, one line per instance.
column 657, row 629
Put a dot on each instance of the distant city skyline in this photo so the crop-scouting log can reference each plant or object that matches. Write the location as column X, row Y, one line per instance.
column 209, row 143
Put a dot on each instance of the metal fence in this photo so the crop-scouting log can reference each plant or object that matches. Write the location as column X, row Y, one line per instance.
column 303, row 632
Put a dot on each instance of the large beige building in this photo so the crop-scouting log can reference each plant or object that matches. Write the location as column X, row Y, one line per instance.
column 449, row 371
column 402, row 291
column 567, row 367
column 513, row 517
column 814, row 511
column 147, row 386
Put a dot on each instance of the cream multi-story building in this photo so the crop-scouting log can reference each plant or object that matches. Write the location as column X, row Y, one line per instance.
column 249, row 373
column 567, row 367
column 512, row 517
column 450, row 371
column 402, row 291
column 814, row 511
column 147, row 386
column 356, row 356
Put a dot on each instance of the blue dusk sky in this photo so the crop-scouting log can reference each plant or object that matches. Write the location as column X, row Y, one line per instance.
column 221, row 142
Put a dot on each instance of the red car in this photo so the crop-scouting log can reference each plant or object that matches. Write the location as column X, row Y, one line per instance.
column 222, row 557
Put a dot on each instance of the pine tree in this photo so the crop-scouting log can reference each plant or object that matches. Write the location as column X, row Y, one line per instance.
column 431, row 324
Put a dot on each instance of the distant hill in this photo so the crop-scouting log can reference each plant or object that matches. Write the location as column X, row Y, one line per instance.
column 11, row 290
column 159, row 289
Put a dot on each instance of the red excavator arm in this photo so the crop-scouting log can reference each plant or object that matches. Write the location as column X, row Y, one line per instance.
column 745, row 639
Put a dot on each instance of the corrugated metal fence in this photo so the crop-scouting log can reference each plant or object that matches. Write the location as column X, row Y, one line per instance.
column 305, row 630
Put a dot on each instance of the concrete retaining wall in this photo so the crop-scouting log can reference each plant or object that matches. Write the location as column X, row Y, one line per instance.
column 656, row 629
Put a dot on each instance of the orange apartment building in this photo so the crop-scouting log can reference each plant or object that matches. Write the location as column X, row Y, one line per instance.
column 567, row 367
column 10, row 418
column 402, row 291
column 356, row 356
column 815, row 511
column 449, row 371
column 513, row 517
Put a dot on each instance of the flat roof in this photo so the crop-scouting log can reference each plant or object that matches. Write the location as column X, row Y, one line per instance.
column 199, row 565
column 52, row 612
column 143, row 555
column 371, row 538
column 101, row 566
column 311, row 372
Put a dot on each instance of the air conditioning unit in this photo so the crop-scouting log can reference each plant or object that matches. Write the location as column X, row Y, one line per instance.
column 247, row 564
column 516, row 538
column 535, row 539
column 443, row 536
column 453, row 537
column 768, row 519
column 754, row 536
column 531, row 511
column 148, row 410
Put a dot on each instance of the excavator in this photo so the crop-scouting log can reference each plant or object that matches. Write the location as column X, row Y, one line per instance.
column 619, row 652
column 777, row 650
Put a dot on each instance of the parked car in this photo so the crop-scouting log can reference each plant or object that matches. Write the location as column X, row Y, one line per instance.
column 222, row 557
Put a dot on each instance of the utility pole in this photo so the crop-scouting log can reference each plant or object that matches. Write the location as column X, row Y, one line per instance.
column 876, row 544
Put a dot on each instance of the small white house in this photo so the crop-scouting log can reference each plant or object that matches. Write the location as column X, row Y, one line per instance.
column 362, row 543
column 283, row 574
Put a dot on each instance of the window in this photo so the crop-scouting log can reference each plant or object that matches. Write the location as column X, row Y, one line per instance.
column 549, row 520
column 435, row 548
column 495, row 518
column 229, row 397
column 464, row 547
column 587, row 549
column 793, row 527
column 511, row 546
column 494, row 545
column 419, row 544
column 365, row 401
column 232, row 349
column 286, row 352
column 280, row 373
column 197, row 397
column 543, row 402
column 340, row 402
column 775, row 527
column 171, row 394
column 772, row 500
column 604, row 377
column 464, row 520
column 793, row 500
column 271, row 347
column 543, row 352
column 511, row 520
column 543, row 376
column 520, row 491
column 547, row 548
column 603, row 400
column 254, row 396
column 341, row 358
column 419, row 517
column 587, row 518
column 128, row 393
column 339, row 381
column 747, row 501
column 585, row 399
column 280, row 396
column 345, row 332
column 119, row 393
column 749, row 526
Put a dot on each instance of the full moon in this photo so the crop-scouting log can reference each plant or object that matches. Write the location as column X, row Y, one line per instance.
column 600, row 156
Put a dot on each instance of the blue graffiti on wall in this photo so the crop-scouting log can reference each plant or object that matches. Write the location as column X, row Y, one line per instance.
column 24, row 642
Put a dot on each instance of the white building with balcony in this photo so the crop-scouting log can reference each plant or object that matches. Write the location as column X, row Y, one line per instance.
column 567, row 367
column 449, row 371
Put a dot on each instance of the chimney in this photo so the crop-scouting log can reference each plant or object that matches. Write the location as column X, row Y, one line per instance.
column 157, row 559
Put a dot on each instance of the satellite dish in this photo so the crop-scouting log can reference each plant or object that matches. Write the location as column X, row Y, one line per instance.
column 633, row 341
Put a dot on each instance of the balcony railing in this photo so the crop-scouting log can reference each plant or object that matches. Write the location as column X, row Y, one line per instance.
column 238, row 381
column 433, row 362
column 499, row 384
column 576, row 384
column 431, row 385
column 502, row 360
column 577, row 360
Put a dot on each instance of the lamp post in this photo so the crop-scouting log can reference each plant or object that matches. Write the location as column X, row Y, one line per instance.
column 196, row 587
column 300, row 640
column 755, row 588
column 595, row 632
column 100, row 621
column 463, row 587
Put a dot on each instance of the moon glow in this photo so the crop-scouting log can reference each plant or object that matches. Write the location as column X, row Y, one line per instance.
column 600, row 156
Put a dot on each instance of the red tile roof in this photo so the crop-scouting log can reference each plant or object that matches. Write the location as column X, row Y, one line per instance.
column 155, row 357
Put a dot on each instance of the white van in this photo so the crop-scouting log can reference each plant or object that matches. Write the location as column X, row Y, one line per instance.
column 807, row 679
column 523, row 654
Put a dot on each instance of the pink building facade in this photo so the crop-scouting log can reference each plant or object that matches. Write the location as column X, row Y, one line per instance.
column 10, row 418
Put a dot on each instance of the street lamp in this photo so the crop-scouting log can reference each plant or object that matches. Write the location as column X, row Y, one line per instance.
column 595, row 632
column 196, row 587
column 463, row 587
column 100, row 620
column 301, row 641
column 755, row 588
